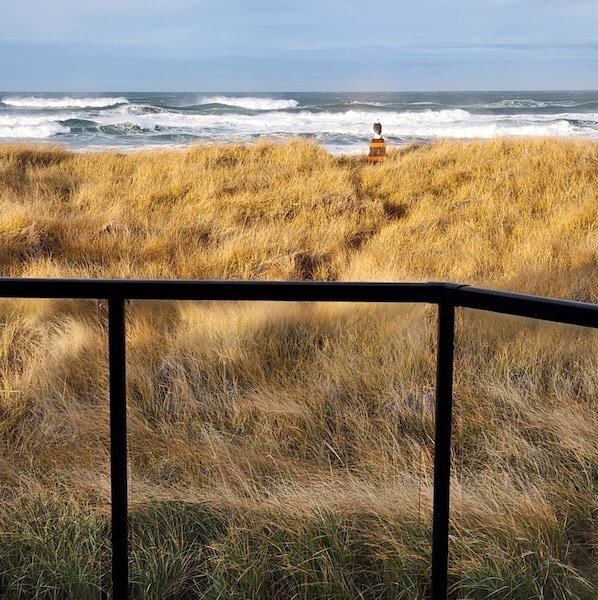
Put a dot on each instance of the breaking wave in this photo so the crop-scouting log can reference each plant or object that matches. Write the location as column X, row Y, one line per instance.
column 250, row 103
column 65, row 102
column 341, row 123
column 31, row 127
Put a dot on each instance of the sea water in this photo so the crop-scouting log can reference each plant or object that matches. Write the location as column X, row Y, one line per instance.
column 340, row 122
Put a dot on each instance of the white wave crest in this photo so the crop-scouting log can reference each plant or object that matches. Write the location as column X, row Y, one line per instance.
column 491, row 130
column 251, row 103
column 140, row 109
column 30, row 127
column 425, row 124
column 529, row 103
column 454, row 115
column 65, row 102
column 140, row 125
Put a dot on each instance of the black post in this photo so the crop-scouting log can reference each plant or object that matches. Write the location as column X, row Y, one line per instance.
column 118, row 447
column 442, row 449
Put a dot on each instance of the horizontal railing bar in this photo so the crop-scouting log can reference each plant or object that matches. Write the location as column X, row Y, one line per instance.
column 522, row 305
column 131, row 289
column 535, row 307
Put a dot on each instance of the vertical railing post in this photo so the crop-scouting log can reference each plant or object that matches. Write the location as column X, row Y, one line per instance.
column 442, row 449
column 118, row 447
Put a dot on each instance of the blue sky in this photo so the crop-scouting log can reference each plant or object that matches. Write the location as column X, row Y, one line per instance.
column 298, row 45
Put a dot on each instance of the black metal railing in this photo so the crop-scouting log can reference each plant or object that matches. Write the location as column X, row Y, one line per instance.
column 447, row 296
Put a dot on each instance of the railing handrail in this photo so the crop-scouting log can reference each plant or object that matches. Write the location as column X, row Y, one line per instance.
column 525, row 305
column 447, row 296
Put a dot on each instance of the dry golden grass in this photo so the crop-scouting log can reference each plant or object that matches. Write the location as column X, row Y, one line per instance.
column 510, row 214
column 285, row 451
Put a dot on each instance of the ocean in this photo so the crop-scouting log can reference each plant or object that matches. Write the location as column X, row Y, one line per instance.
column 340, row 122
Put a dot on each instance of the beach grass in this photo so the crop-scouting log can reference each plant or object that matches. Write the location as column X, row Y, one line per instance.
column 286, row 450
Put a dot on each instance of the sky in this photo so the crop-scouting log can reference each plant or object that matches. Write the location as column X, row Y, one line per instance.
column 298, row 45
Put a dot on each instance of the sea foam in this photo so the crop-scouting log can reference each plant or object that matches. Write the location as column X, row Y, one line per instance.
column 424, row 124
column 65, row 102
column 30, row 127
column 250, row 103
column 339, row 122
